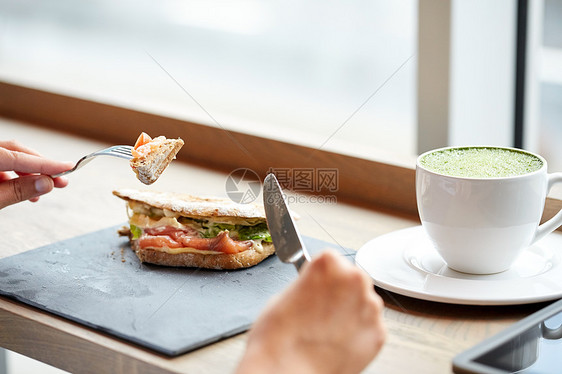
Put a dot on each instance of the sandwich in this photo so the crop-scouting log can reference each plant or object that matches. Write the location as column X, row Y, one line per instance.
column 174, row 229
column 152, row 156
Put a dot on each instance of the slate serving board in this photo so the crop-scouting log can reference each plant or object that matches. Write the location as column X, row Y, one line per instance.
column 96, row 280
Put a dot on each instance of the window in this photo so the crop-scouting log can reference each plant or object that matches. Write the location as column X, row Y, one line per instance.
column 337, row 76
column 550, row 80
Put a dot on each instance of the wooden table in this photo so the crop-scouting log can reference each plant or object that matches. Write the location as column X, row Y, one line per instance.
column 423, row 337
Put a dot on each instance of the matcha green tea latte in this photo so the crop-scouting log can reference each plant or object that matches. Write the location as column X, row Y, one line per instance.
column 481, row 162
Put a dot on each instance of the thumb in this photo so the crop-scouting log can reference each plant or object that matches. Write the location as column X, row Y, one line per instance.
column 24, row 188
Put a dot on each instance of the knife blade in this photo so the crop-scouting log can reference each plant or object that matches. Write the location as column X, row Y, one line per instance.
column 289, row 246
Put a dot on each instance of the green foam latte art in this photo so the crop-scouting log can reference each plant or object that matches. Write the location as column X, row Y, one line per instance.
column 481, row 162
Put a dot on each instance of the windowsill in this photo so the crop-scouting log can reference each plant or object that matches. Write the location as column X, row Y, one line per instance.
column 378, row 180
column 161, row 102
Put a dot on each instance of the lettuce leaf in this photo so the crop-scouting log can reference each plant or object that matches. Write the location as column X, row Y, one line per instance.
column 214, row 230
column 136, row 231
column 259, row 231
column 240, row 232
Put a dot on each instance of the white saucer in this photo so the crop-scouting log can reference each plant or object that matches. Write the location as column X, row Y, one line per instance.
column 406, row 263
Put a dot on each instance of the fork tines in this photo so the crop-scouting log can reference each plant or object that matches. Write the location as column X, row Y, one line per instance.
column 124, row 150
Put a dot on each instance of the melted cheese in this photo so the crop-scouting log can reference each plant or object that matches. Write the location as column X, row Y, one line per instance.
column 234, row 220
column 257, row 246
column 185, row 250
column 141, row 208
column 144, row 221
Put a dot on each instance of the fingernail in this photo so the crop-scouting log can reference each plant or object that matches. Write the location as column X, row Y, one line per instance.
column 43, row 185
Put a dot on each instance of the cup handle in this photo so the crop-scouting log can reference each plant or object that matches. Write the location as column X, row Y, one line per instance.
column 551, row 334
column 556, row 221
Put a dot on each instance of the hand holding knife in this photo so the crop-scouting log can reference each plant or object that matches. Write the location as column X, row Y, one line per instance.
column 286, row 239
column 328, row 319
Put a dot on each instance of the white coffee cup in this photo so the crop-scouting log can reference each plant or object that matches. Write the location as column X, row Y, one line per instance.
column 481, row 225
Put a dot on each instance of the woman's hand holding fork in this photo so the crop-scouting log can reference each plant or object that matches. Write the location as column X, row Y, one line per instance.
column 25, row 174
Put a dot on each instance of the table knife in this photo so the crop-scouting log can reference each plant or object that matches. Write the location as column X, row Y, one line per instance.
column 289, row 246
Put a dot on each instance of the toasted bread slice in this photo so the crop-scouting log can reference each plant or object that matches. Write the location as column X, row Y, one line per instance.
column 194, row 206
column 148, row 167
column 218, row 261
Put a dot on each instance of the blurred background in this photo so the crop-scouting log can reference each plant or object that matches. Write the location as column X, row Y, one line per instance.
column 337, row 75
column 274, row 68
column 551, row 84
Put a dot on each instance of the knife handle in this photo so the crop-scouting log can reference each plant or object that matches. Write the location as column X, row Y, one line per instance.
column 304, row 257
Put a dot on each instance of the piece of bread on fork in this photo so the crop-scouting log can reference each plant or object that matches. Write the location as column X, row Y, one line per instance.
column 152, row 156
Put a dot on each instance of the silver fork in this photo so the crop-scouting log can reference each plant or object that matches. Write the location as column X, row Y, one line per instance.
column 122, row 151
